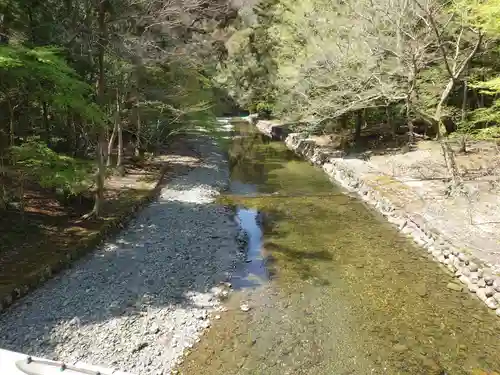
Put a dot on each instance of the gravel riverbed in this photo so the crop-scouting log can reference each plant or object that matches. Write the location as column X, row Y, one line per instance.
column 142, row 298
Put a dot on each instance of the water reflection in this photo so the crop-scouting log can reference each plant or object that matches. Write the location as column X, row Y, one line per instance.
column 253, row 273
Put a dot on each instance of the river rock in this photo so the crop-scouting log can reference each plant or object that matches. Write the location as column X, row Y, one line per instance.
column 400, row 348
column 489, row 291
column 491, row 303
column 421, row 290
column 464, row 271
column 473, row 267
column 244, row 307
column 496, row 284
column 436, row 254
column 464, row 280
column 474, row 277
column 154, row 329
column 455, row 287
column 480, row 293
column 481, row 283
column 472, row 288
column 488, row 279
column 462, row 257
column 496, row 295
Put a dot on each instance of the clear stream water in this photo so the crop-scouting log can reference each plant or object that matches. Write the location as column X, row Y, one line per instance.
column 333, row 289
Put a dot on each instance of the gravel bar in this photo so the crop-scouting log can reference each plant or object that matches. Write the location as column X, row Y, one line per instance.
column 142, row 298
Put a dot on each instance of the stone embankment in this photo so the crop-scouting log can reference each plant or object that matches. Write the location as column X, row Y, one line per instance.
column 394, row 200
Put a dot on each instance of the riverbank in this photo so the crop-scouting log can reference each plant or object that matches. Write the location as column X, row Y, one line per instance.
column 141, row 299
column 50, row 235
column 462, row 233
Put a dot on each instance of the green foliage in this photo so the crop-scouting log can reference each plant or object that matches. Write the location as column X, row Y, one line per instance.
column 44, row 74
column 264, row 110
column 50, row 169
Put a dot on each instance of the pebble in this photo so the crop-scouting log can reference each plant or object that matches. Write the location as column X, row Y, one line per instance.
column 464, row 280
column 154, row 282
column 462, row 257
column 421, row 290
column 472, row 288
column 488, row 279
column 491, row 303
column 474, row 277
column 473, row 267
column 436, row 254
column 489, row 291
column 455, row 287
column 244, row 307
column 496, row 295
column 154, row 329
column 496, row 284
column 400, row 348
column 481, row 294
column 481, row 283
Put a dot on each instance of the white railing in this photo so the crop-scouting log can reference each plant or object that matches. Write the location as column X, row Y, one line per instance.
column 13, row 363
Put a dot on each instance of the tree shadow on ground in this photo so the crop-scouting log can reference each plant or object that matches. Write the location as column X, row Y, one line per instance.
column 165, row 259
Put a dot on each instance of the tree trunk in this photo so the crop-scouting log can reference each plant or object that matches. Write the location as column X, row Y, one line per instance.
column 136, row 116
column 46, row 123
column 463, row 137
column 115, row 130
column 119, row 129
column 11, row 123
column 464, row 102
column 448, row 153
column 390, row 122
column 358, row 125
column 72, row 131
column 101, row 142
column 119, row 158
column 137, row 120
column 110, row 143
column 441, row 129
column 409, row 122
column 4, row 32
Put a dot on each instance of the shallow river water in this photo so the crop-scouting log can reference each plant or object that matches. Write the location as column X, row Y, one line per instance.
column 332, row 288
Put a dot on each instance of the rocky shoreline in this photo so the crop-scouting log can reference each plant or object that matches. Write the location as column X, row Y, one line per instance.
column 140, row 301
column 471, row 274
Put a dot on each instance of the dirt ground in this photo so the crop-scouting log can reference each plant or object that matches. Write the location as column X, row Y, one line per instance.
column 417, row 179
column 49, row 231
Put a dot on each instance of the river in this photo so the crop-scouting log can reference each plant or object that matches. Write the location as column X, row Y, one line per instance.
column 331, row 287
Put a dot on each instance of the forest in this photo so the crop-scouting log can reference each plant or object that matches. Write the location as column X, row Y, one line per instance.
column 420, row 68
column 93, row 88
column 84, row 82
